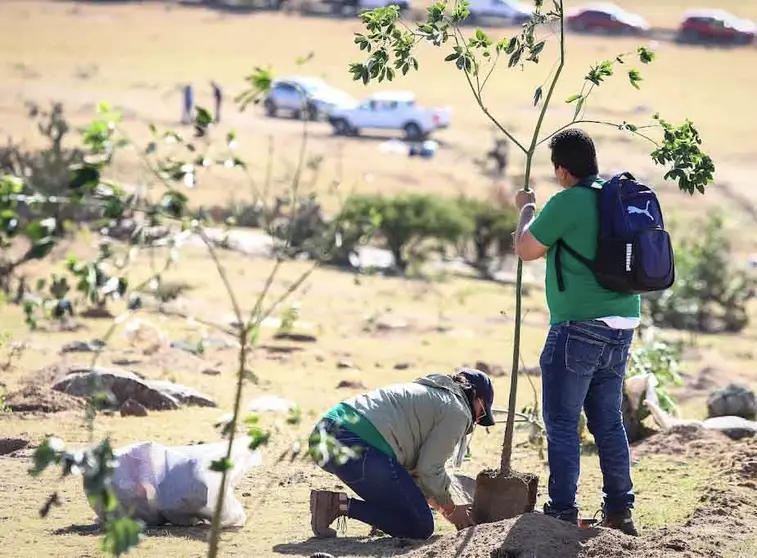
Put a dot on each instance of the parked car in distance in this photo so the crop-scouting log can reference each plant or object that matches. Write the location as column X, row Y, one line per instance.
column 605, row 17
column 293, row 94
column 516, row 11
column 715, row 26
column 392, row 110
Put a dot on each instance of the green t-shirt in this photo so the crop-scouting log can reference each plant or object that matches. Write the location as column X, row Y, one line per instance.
column 573, row 216
column 352, row 420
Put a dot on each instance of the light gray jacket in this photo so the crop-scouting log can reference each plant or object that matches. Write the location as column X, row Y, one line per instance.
column 422, row 421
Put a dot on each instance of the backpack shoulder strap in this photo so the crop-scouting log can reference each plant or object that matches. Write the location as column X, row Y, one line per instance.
column 558, row 261
column 562, row 244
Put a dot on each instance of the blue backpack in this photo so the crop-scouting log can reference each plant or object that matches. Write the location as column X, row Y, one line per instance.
column 634, row 251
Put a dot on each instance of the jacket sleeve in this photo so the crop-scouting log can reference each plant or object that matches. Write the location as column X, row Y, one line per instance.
column 437, row 448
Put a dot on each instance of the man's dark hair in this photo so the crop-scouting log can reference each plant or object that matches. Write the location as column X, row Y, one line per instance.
column 468, row 390
column 573, row 149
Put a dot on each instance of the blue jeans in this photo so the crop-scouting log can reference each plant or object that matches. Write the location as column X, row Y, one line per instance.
column 391, row 500
column 583, row 365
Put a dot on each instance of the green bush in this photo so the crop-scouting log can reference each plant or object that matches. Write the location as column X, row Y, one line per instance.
column 710, row 292
column 493, row 226
column 46, row 170
column 406, row 223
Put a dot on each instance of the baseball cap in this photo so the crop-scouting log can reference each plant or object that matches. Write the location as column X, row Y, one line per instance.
column 484, row 389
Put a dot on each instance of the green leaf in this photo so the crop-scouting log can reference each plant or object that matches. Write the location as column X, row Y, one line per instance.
column 84, row 175
column 40, row 249
column 121, row 534
column 221, row 465
column 37, row 230
column 259, row 437
column 174, row 203
column 537, row 95
column 634, row 77
column 645, row 55
column 579, row 106
column 203, row 120
column 573, row 98
column 48, row 453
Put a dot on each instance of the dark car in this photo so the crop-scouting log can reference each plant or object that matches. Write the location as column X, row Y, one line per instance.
column 715, row 26
column 606, row 18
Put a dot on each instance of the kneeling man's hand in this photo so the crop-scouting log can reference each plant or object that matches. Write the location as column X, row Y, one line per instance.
column 460, row 517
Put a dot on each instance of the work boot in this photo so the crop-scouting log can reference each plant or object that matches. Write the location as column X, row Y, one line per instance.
column 620, row 520
column 569, row 516
column 325, row 508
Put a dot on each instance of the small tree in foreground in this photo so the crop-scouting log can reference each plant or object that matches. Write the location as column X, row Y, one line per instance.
column 390, row 45
column 171, row 163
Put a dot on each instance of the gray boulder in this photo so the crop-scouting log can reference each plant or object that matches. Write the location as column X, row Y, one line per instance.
column 122, row 385
column 733, row 400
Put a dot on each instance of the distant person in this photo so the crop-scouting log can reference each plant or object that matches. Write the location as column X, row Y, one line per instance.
column 583, row 362
column 404, row 434
column 189, row 102
column 499, row 154
column 218, row 98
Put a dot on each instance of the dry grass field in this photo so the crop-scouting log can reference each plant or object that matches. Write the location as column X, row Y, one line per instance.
column 138, row 55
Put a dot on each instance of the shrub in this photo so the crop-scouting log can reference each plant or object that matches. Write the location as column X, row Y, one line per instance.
column 407, row 222
column 710, row 293
column 493, row 226
column 46, row 170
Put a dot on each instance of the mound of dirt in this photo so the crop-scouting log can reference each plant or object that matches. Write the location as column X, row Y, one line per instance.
column 685, row 440
column 40, row 399
column 10, row 445
column 533, row 534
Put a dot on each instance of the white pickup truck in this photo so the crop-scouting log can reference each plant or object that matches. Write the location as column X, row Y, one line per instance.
column 395, row 110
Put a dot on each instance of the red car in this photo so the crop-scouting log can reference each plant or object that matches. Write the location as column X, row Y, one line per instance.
column 715, row 26
column 605, row 17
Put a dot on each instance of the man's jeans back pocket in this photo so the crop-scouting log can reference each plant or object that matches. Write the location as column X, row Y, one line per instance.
column 583, row 355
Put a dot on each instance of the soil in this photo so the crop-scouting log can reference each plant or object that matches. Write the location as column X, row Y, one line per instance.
column 724, row 515
column 10, row 445
column 687, row 440
column 529, row 535
column 503, row 496
column 40, row 399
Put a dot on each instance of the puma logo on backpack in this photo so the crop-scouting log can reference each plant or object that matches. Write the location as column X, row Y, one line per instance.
column 634, row 251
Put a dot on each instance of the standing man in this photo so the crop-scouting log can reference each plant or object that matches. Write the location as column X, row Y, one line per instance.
column 188, row 104
column 583, row 362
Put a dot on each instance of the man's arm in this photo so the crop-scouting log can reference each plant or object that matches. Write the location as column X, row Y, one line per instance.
column 535, row 234
column 526, row 246
column 432, row 476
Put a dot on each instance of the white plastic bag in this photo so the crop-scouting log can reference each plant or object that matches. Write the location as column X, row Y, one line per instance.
column 174, row 484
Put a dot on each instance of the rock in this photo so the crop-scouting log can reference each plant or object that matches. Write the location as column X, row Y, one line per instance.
column 92, row 346
column 402, row 366
column 41, row 399
column 9, row 445
column 299, row 337
column 211, row 371
column 185, row 395
column 155, row 395
column 96, row 313
column 322, row 554
column 270, row 403
column 342, row 364
column 390, row 324
column 733, row 427
column 733, row 400
column 350, row 384
column 188, row 346
column 132, row 408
